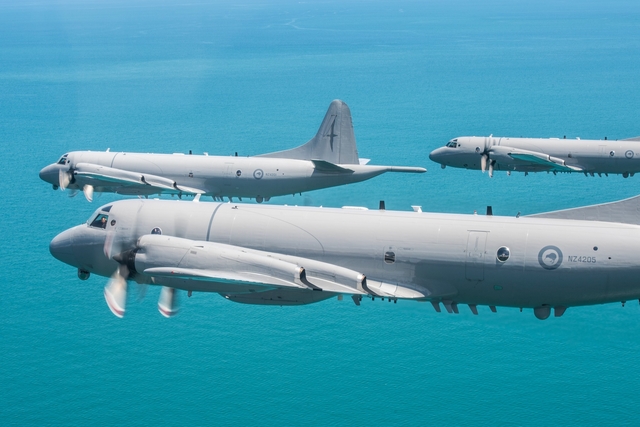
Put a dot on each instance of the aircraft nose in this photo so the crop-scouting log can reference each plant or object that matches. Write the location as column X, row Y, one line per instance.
column 61, row 247
column 436, row 155
column 50, row 174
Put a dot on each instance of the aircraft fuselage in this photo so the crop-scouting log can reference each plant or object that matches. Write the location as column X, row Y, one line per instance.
column 445, row 258
column 217, row 176
column 542, row 154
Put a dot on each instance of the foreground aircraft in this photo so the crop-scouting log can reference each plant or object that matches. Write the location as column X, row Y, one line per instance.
column 290, row 255
column 541, row 155
column 327, row 160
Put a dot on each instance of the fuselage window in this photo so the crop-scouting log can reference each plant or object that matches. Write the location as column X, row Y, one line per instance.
column 100, row 221
column 503, row 254
column 389, row 257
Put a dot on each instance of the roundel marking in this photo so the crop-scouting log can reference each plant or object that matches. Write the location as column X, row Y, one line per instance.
column 550, row 257
column 628, row 154
column 258, row 174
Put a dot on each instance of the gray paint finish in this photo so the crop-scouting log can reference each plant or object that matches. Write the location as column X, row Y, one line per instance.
column 553, row 262
column 329, row 159
column 541, row 155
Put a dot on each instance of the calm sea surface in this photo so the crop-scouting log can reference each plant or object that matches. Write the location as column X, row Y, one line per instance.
column 253, row 77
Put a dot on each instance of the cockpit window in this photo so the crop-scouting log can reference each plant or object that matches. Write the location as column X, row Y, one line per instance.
column 453, row 143
column 63, row 160
column 106, row 208
column 100, row 221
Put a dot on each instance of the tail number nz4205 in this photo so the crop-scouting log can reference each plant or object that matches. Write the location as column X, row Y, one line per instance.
column 587, row 259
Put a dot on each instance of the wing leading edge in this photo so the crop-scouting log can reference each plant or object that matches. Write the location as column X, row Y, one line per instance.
column 553, row 163
column 233, row 271
column 106, row 176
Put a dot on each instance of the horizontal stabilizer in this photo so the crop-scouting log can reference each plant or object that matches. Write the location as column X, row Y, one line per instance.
column 328, row 167
column 635, row 138
column 624, row 211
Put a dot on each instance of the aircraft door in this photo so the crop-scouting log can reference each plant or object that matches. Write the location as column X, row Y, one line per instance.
column 474, row 262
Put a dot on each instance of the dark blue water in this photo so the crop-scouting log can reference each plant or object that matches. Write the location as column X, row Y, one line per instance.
column 255, row 77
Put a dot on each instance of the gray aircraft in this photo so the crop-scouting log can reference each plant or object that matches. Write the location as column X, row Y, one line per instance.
column 329, row 159
column 541, row 155
column 289, row 255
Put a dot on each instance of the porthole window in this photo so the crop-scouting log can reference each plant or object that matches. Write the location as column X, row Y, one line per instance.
column 503, row 254
column 389, row 257
column 238, row 172
column 156, row 230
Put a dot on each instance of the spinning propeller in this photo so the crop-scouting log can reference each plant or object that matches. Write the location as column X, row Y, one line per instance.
column 115, row 292
column 485, row 158
column 66, row 177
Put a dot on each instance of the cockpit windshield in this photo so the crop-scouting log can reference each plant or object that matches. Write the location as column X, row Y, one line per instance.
column 63, row 160
column 100, row 221
column 453, row 143
column 100, row 218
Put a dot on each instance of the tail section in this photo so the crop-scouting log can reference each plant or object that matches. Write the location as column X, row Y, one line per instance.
column 335, row 141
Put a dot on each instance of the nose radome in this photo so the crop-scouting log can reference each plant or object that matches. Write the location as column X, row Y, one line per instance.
column 50, row 174
column 435, row 155
column 61, row 247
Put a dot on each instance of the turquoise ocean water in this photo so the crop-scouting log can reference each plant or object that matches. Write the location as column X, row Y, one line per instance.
column 253, row 77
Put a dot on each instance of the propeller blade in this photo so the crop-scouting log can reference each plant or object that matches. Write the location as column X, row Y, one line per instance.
column 491, row 169
column 483, row 162
column 73, row 193
column 88, row 192
column 108, row 244
column 115, row 293
column 168, row 302
column 63, row 179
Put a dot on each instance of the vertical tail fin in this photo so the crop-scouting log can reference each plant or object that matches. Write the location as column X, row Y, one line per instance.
column 335, row 141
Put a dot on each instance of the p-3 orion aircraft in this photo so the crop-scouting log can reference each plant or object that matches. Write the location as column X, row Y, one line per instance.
column 329, row 159
column 289, row 255
column 541, row 155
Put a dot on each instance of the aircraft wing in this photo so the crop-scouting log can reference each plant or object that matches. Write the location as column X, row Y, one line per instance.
column 167, row 258
column 227, row 277
column 552, row 163
column 106, row 176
